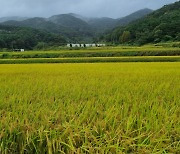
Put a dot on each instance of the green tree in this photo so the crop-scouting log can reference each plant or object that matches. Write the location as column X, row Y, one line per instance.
column 41, row 45
column 158, row 34
column 126, row 36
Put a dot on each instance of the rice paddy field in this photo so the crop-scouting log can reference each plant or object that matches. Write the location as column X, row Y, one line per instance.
column 94, row 55
column 90, row 108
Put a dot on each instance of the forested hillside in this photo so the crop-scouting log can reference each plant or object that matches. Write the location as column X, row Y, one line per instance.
column 141, row 27
column 28, row 38
column 160, row 26
column 73, row 27
column 47, row 25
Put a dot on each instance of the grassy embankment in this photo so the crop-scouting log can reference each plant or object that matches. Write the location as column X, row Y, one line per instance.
column 107, row 54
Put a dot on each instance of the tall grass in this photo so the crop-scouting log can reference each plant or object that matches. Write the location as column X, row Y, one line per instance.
column 90, row 108
column 102, row 52
column 92, row 60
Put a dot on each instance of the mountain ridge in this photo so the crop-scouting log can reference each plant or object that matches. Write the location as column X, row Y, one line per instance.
column 75, row 27
column 160, row 25
column 72, row 19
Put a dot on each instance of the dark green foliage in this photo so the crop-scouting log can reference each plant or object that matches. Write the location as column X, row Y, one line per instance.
column 68, row 26
column 90, row 60
column 126, row 36
column 160, row 26
column 76, row 53
column 42, row 24
column 27, row 38
column 74, row 28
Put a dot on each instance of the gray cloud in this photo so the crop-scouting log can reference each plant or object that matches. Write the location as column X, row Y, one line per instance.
column 93, row 8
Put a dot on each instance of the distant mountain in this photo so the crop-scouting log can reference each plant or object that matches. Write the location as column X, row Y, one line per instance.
column 40, row 23
column 99, row 25
column 86, row 19
column 74, row 27
column 132, row 17
column 103, row 24
column 46, row 25
column 72, row 22
column 16, row 18
column 160, row 25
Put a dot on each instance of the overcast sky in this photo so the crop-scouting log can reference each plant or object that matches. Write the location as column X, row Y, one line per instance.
column 91, row 8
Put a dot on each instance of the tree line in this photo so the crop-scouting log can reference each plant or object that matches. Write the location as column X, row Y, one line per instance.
column 27, row 38
column 160, row 26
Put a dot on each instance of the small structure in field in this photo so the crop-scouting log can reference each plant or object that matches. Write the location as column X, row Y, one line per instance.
column 71, row 45
column 19, row 50
column 101, row 45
